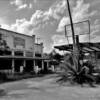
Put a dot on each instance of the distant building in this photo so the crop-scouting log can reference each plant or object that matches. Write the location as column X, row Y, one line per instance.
column 17, row 50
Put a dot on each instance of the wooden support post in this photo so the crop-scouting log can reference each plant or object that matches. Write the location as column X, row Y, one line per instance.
column 47, row 64
column 12, row 52
column 13, row 66
column 77, row 52
column 33, row 64
column 42, row 65
column 24, row 53
column 24, row 63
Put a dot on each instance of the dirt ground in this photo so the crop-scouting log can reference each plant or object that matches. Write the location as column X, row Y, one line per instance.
column 45, row 88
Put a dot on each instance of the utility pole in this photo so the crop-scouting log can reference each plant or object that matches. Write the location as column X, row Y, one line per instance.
column 37, row 40
column 71, row 22
column 73, row 35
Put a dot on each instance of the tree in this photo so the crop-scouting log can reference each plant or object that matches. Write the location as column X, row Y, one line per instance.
column 55, row 56
column 4, row 48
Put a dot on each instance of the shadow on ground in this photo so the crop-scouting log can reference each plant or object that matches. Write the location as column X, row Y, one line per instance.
column 2, row 93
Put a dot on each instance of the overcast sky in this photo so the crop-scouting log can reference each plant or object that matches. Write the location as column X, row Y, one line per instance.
column 46, row 18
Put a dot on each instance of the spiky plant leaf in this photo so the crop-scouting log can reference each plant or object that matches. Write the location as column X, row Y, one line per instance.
column 73, row 74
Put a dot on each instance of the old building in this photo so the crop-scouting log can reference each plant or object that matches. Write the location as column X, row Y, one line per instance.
column 18, row 50
column 89, row 50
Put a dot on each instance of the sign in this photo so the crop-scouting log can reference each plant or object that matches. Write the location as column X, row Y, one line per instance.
column 19, row 42
column 29, row 54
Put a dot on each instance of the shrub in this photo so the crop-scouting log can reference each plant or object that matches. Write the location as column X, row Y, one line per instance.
column 83, row 73
column 3, row 76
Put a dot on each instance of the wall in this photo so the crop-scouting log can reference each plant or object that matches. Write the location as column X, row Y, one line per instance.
column 39, row 48
column 18, row 41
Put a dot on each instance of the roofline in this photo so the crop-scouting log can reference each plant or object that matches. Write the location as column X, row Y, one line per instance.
column 13, row 32
column 82, row 45
column 21, row 57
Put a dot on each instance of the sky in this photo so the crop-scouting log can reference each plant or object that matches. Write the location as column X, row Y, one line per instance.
column 46, row 19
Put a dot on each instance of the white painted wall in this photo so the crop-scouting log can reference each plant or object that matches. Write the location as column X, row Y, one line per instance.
column 9, row 37
column 39, row 48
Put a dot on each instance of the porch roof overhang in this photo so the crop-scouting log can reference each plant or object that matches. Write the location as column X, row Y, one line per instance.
column 21, row 57
column 85, row 47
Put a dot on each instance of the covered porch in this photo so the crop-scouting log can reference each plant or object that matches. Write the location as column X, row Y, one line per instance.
column 13, row 64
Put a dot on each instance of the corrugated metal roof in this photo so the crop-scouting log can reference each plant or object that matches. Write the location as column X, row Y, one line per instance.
column 85, row 47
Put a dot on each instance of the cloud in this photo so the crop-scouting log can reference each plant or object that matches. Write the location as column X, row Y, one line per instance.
column 5, row 26
column 20, row 4
column 35, row 1
column 22, row 7
column 22, row 26
column 43, row 22
column 79, row 13
column 95, row 27
column 58, row 9
column 59, row 39
column 95, row 31
column 30, row 5
column 26, row 26
column 17, row 2
column 39, row 18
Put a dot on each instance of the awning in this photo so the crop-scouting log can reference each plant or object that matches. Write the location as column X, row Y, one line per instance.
column 21, row 57
column 85, row 47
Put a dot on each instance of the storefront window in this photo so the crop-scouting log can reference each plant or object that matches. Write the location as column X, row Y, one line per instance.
column 18, row 53
column 29, row 54
column 38, row 55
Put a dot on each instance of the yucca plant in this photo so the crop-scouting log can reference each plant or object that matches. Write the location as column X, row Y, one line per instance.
column 73, row 74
